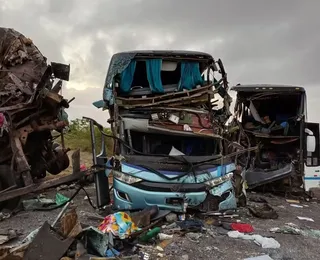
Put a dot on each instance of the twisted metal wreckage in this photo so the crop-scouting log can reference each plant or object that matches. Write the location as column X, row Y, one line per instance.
column 172, row 147
column 30, row 109
column 274, row 118
column 169, row 148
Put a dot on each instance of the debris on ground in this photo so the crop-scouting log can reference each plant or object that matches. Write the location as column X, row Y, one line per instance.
column 66, row 187
column 120, row 224
column 260, row 257
column 171, row 218
column 47, row 244
column 191, row 225
column 296, row 206
column 242, row 227
column 290, row 228
column 264, row 242
column 150, row 234
column 264, row 211
column 7, row 235
column 145, row 235
column 305, row 218
column 4, row 215
column 162, row 236
column 41, row 203
column 61, row 199
column 194, row 237
column 292, row 201
column 38, row 203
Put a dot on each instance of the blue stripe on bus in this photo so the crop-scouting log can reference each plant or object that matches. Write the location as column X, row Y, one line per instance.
column 312, row 178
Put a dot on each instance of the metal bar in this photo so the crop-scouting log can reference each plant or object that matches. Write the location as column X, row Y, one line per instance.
column 41, row 186
column 9, row 188
column 93, row 143
column 65, row 207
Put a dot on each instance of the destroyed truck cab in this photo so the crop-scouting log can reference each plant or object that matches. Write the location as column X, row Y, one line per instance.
column 168, row 148
column 274, row 118
column 30, row 109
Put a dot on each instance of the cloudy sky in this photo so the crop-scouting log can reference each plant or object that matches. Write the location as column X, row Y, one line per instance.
column 259, row 41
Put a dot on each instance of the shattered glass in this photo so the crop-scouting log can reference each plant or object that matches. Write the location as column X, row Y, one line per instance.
column 118, row 63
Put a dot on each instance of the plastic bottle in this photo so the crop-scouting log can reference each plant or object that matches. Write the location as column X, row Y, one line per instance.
column 150, row 234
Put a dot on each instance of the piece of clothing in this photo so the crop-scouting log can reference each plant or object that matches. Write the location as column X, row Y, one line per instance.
column 241, row 227
column 119, row 224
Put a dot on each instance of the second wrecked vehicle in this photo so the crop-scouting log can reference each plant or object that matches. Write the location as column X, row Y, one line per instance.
column 30, row 108
column 274, row 118
column 168, row 148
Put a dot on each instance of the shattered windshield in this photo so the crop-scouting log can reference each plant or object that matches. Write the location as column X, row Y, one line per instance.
column 170, row 145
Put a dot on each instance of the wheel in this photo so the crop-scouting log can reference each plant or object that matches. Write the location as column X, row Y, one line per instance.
column 7, row 180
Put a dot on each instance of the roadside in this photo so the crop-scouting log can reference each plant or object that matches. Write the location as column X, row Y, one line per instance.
column 214, row 240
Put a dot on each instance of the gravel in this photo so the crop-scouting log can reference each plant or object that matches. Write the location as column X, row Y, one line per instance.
column 214, row 244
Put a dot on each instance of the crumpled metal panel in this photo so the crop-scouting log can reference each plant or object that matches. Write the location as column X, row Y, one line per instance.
column 47, row 245
column 21, row 66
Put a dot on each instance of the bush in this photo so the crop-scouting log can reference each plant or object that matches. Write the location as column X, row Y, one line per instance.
column 78, row 136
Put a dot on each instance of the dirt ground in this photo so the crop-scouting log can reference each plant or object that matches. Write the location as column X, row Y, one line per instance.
column 207, row 247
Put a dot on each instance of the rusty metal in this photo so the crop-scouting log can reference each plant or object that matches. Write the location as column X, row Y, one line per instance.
column 42, row 185
column 35, row 127
column 173, row 99
column 30, row 108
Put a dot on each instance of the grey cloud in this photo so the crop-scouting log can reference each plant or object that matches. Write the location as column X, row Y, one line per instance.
column 268, row 37
column 82, row 105
column 60, row 7
column 258, row 40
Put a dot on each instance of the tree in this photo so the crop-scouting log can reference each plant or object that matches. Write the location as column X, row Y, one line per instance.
column 78, row 136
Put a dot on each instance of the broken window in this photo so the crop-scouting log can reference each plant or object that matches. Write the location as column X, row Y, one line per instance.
column 160, row 144
column 271, row 121
column 275, row 114
column 144, row 77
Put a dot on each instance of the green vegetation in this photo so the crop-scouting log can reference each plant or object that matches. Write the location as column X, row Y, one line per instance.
column 78, row 136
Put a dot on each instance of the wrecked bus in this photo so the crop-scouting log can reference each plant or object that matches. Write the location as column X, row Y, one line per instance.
column 274, row 118
column 167, row 127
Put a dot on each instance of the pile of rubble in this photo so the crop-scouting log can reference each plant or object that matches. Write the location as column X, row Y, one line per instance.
column 148, row 234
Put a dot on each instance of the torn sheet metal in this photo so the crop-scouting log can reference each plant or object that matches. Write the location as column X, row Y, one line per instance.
column 47, row 245
column 255, row 178
column 70, row 224
column 273, row 117
column 96, row 241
